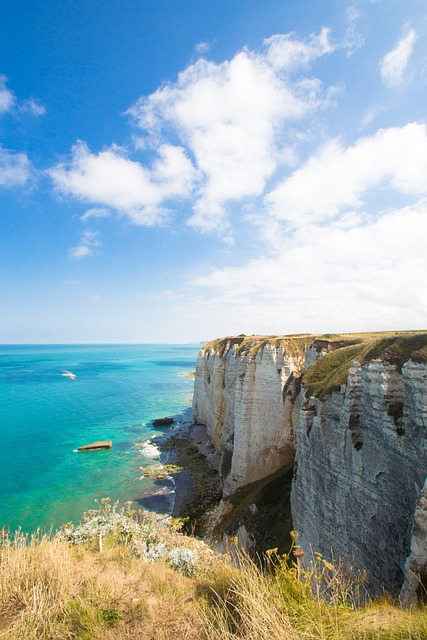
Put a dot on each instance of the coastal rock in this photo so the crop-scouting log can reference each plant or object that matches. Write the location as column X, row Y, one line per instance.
column 95, row 446
column 349, row 413
column 163, row 422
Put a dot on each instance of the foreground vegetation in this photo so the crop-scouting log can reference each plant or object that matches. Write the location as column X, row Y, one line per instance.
column 122, row 576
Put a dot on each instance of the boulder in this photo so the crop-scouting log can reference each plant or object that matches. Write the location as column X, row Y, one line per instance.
column 95, row 446
column 163, row 422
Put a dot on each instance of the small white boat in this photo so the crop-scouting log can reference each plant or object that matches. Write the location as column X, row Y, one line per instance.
column 68, row 374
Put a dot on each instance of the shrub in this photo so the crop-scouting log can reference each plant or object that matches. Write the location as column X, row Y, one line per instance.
column 148, row 537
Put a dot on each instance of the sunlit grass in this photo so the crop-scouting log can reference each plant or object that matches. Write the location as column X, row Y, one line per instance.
column 51, row 589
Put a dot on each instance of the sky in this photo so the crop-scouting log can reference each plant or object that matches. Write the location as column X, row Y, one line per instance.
column 180, row 170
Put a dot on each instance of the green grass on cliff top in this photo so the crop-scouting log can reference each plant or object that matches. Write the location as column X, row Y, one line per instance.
column 330, row 372
column 293, row 344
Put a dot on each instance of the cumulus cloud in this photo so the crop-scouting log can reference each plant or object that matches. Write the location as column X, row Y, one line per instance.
column 230, row 116
column 95, row 212
column 327, row 279
column 394, row 64
column 33, row 107
column 337, row 179
column 202, row 47
column 87, row 246
column 287, row 52
column 111, row 179
column 7, row 99
column 15, row 168
column 337, row 268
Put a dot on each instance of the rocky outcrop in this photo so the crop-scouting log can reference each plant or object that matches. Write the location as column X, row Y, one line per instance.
column 96, row 446
column 349, row 414
column 415, row 585
column 361, row 461
column 239, row 396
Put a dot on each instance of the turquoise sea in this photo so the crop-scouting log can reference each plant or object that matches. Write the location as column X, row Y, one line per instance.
column 44, row 416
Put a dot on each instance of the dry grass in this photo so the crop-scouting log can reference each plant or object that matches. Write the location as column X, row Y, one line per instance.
column 282, row 605
column 50, row 590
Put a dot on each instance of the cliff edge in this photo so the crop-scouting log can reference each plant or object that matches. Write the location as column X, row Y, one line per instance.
column 346, row 417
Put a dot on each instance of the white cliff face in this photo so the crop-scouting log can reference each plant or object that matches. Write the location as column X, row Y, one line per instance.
column 361, row 460
column 360, row 452
column 241, row 400
column 416, row 564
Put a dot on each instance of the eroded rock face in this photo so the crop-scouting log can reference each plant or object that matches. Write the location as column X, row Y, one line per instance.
column 361, row 460
column 415, row 584
column 359, row 451
column 242, row 400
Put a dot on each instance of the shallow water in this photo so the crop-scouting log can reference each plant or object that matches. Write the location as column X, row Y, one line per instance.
column 45, row 416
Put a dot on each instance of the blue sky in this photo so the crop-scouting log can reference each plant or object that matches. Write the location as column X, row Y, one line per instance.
column 175, row 171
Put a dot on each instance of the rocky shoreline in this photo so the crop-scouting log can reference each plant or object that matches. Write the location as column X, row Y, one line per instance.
column 197, row 487
column 185, row 473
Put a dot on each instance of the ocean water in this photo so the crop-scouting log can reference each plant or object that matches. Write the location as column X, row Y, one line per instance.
column 45, row 416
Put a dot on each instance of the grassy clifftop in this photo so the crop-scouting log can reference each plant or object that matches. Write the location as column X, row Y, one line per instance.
column 330, row 371
column 295, row 344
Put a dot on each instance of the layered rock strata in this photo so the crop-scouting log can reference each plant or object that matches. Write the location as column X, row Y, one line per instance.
column 349, row 413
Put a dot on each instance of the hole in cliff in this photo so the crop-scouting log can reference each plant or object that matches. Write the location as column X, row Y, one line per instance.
column 422, row 588
column 209, row 378
column 395, row 411
column 279, row 371
column 242, row 375
column 291, row 388
column 271, row 521
column 356, row 431
column 226, row 461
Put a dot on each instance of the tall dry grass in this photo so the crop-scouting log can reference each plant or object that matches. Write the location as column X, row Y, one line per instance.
column 286, row 603
column 51, row 590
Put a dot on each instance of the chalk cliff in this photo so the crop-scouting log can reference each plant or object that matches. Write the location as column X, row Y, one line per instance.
column 349, row 415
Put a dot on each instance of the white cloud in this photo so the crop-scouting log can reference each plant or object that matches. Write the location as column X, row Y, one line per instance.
column 87, row 246
column 202, row 47
column 369, row 116
column 327, row 279
column 231, row 117
column 7, row 99
column 111, row 179
column 286, row 52
column 15, row 168
column 353, row 39
column 340, row 269
column 95, row 212
column 336, row 179
column 33, row 107
column 394, row 64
